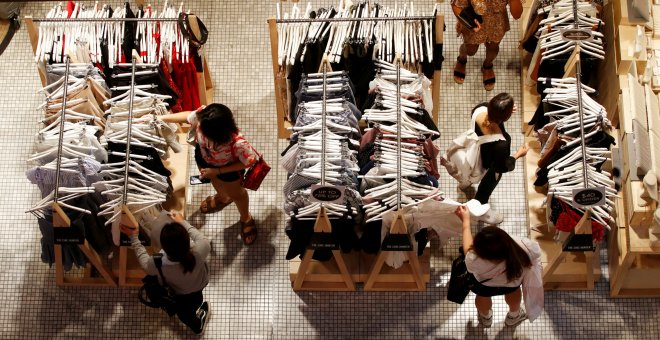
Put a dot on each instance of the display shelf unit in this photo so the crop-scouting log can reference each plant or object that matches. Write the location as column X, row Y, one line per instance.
column 561, row 270
column 123, row 269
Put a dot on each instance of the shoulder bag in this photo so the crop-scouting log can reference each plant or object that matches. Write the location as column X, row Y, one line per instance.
column 256, row 174
column 461, row 281
column 155, row 295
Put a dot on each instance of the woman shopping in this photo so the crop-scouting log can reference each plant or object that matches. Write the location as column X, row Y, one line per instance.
column 499, row 265
column 222, row 155
column 184, row 267
column 490, row 22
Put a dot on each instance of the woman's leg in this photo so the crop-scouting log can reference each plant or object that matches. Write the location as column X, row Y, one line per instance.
column 487, row 186
column 187, row 306
column 240, row 196
column 484, row 304
column 513, row 300
column 492, row 49
column 467, row 50
column 221, row 196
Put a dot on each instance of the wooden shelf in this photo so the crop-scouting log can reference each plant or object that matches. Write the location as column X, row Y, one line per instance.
column 177, row 163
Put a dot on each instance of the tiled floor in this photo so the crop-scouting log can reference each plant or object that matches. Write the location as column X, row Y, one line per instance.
column 249, row 292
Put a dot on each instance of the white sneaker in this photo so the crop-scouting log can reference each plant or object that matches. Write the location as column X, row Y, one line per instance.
column 492, row 217
column 485, row 321
column 514, row 320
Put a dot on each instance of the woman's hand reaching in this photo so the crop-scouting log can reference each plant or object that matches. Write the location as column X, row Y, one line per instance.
column 462, row 212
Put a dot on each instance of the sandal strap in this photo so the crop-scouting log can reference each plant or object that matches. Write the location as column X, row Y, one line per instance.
column 487, row 67
column 458, row 60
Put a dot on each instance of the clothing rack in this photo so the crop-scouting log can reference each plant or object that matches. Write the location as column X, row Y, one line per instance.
column 283, row 124
column 414, row 280
column 61, row 220
column 205, row 82
column 337, row 278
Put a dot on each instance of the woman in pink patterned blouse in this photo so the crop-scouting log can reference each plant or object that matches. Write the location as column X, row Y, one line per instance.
column 222, row 155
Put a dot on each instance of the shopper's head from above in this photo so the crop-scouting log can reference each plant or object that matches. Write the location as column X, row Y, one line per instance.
column 175, row 241
column 500, row 108
column 495, row 245
column 217, row 123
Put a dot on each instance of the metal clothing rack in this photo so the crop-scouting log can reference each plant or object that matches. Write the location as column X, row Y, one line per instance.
column 77, row 20
column 61, row 220
column 413, row 279
column 341, row 279
column 283, row 123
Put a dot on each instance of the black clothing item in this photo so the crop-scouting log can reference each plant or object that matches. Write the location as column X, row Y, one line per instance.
column 487, row 185
column 487, row 291
column 497, row 155
column 226, row 177
column 422, row 238
column 371, row 237
column 300, row 233
column 187, row 306
column 153, row 162
column 158, row 79
column 130, row 30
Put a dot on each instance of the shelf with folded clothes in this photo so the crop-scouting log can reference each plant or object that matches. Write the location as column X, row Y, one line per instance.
column 354, row 37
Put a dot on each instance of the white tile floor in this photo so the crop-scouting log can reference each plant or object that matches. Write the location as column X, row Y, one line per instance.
column 249, row 291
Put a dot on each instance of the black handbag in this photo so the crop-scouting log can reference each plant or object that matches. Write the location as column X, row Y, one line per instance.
column 156, row 295
column 461, row 281
column 467, row 17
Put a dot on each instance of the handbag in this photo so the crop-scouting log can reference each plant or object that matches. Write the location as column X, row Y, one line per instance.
column 461, row 281
column 155, row 295
column 467, row 17
column 256, row 174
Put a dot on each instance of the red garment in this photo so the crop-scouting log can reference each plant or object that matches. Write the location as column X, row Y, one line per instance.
column 178, row 107
column 184, row 76
column 569, row 218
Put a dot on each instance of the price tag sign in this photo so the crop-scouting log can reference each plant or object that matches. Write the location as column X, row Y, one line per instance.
column 589, row 197
column 574, row 34
column 328, row 194
column 124, row 240
column 579, row 242
column 397, row 242
column 70, row 235
column 323, row 241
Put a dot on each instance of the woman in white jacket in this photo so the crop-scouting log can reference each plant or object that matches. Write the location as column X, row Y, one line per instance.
column 499, row 265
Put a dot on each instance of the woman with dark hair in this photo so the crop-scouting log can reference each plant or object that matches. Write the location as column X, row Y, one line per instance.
column 184, row 267
column 222, row 155
column 499, row 265
column 496, row 156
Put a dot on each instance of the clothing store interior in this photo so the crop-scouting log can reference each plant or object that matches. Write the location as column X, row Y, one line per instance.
column 393, row 208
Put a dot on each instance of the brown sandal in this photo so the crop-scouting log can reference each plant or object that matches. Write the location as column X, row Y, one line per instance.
column 212, row 204
column 488, row 77
column 249, row 231
column 459, row 71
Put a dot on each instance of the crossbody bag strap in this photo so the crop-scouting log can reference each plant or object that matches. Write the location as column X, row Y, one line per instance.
column 158, row 261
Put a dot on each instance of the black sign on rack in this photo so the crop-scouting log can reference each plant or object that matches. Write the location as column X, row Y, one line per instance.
column 589, row 197
column 70, row 235
column 397, row 242
column 574, row 34
column 327, row 194
column 323, row 241
column 579, row 242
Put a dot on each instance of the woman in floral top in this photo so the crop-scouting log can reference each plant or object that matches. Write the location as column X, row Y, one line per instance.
column 490, row 32
column 222, row 155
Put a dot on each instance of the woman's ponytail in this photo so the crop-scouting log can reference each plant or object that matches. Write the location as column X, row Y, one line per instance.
column 176, row 242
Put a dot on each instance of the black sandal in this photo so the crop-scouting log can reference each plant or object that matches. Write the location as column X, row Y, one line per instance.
column 459, row 75
column 249, row 230
column 489, row 83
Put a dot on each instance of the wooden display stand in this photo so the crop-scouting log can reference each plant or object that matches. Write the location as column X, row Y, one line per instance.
column 561, row 270
column 530, row 98
column 283, row 123
column 409, row 277
column 323, row 276
column 61, row 220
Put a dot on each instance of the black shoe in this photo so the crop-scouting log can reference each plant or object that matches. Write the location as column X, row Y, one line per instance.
column 203, row 314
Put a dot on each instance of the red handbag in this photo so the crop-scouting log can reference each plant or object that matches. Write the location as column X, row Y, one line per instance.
column 256, row 174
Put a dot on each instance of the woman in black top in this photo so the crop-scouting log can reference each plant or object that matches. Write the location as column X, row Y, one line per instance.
column 495, row 156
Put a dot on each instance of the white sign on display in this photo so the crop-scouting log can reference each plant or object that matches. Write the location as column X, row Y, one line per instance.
column 328, row 193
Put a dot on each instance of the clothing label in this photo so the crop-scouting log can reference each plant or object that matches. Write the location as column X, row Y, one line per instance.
column 328, row 194
column 323, row 241
column 68, row 235
column 579, row 242
column 573, row 34
column 589, row 197
column 397, row 242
